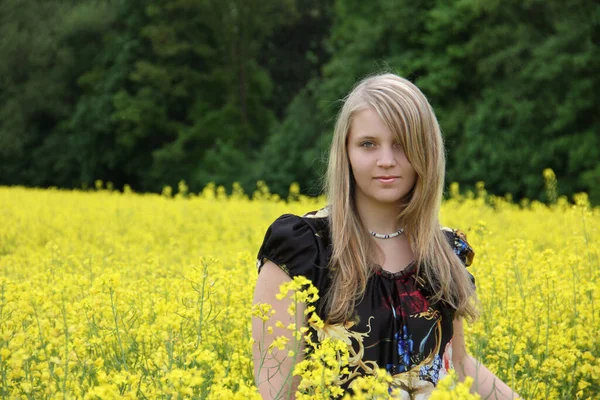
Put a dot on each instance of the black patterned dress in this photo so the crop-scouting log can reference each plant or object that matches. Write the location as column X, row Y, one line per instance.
column 394, row 327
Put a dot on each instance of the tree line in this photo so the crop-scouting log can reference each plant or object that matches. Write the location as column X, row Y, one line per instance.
column 151, row 92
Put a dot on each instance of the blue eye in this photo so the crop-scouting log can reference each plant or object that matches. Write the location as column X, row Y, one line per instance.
column 367, row 144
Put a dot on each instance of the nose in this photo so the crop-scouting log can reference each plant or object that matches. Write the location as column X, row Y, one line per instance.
column 386, row 158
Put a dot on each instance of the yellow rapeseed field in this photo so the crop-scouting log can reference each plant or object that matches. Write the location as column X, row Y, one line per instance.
column 120, row 295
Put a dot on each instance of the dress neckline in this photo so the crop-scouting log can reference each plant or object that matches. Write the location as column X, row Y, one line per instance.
column 404, row 273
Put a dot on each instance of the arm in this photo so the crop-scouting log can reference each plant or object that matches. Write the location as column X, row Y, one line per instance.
column 485, row 382
column 273, row 372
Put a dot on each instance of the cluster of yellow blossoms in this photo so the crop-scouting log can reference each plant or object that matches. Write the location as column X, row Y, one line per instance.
column 120, row 295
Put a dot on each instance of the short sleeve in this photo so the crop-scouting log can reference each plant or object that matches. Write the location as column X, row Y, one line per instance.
column 290, row 243
column 460, row 246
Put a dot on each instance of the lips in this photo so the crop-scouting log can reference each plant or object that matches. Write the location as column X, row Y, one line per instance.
column 386, row 179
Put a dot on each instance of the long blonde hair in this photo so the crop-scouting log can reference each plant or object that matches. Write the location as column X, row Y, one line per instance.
column 408, row 114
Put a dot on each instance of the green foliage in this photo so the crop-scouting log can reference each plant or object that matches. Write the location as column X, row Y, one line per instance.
column 296, row 150
column 512, row 83
column 44, row 47
column 177, row 88
column 148, row 93
column 534, row 64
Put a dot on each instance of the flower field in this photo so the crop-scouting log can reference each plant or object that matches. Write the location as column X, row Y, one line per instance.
column 120, row 295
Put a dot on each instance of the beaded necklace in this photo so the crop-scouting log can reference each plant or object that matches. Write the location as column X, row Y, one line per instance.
column 388, row 236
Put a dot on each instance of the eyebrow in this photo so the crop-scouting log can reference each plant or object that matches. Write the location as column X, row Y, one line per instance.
column 367, row 137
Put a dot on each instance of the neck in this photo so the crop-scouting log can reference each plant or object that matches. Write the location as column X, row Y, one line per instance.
column 378, row 217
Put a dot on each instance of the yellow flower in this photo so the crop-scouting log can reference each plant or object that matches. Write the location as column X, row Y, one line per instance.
column 115, row 300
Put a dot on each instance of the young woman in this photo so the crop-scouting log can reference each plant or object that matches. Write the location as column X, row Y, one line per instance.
column 392, row 281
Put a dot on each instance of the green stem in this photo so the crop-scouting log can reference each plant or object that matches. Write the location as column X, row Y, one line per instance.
column 64, row 314
column 114, row 312
column 201, row 301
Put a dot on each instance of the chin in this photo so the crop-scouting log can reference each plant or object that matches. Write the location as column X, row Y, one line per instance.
column 388, row 199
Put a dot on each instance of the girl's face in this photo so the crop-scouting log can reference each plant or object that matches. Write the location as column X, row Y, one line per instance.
column 381, row 170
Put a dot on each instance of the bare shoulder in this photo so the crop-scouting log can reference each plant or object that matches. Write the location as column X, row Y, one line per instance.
column 269, row 279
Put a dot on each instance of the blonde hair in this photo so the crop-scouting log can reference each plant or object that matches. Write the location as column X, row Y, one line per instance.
column 408, row 114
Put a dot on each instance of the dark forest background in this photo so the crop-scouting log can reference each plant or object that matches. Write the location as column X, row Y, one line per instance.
column 151, row 92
